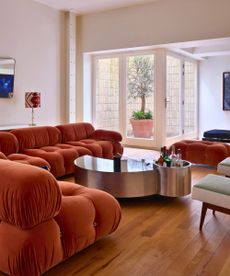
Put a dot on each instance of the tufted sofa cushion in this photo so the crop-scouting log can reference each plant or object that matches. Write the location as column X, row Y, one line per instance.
column 36, row 137
column 2, row 155
column 32, row 185
column 31, row 160
column 203, row 152
column 107, row 135
column 44, row 221
column 75, row 131
column 8, row 143
column 93, row 212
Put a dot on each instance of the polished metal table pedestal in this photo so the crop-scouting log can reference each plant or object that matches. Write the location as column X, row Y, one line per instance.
column 174, row 181
column 136, row 178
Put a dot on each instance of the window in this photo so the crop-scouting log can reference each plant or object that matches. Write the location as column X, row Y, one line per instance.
column 106, row 102
column 181, row 96
column 124, row 84
column 128, row 85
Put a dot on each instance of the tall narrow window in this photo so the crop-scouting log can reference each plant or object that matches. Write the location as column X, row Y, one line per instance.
column 189, row 97
column 106, row 106
column 181, row 99
column 173, row 96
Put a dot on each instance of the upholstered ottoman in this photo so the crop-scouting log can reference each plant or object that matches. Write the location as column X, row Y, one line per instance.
column 203, row 152
column 224, row 167
column 214, row 191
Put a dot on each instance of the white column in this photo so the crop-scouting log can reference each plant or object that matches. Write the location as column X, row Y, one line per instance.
column 71, row 67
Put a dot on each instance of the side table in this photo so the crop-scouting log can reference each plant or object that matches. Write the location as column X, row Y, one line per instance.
column 174, row 181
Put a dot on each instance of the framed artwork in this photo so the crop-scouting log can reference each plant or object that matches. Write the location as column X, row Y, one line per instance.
column 7, row 70
column 226, row 91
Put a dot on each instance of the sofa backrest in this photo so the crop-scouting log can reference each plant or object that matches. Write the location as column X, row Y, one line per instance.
column 8, row 143
column 36, row 137
column 75, row 131
column 29, row 195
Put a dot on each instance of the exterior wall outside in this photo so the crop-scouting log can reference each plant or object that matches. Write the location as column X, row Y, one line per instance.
column 33, row 34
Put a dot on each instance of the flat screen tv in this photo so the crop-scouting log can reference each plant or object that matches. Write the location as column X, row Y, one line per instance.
column 6, row 85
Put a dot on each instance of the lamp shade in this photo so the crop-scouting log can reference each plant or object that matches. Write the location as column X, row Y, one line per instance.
column 32, row 99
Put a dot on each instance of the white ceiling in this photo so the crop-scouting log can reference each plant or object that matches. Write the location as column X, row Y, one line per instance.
column 89, row 6
column 196, row 49
column 202, row 49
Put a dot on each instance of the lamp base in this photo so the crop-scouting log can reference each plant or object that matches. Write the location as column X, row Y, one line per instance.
column 32, row 124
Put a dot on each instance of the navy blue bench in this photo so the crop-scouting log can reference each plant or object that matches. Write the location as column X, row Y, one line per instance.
column 219, row 135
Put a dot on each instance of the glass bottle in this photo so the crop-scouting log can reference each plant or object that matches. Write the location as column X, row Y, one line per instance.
column 160, row 161
column 167, row 158
column 179, row 161
column 117, row 163
column 173, row 156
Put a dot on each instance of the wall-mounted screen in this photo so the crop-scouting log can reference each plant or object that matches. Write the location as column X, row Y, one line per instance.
column 7, row 68
column 6, row 85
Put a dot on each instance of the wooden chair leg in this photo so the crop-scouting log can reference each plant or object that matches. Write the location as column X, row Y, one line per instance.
column 203, row 213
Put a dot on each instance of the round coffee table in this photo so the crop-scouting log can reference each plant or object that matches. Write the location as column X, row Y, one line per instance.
column 135, row 179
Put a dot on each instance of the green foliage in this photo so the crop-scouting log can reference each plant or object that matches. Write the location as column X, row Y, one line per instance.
column 140, row 115
column 140, row 80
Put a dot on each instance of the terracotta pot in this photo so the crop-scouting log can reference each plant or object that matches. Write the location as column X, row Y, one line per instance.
column 142, row 128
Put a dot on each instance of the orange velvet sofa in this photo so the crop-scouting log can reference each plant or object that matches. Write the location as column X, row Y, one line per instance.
column 59, row 146
column 203, row 152
column 44, row 221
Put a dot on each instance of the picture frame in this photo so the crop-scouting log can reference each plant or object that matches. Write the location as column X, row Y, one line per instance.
column 226, row 90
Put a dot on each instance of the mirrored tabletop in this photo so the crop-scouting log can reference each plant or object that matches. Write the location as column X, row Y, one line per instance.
column 106, row 165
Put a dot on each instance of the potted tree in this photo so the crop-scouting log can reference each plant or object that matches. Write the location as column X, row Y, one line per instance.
column 140, row 85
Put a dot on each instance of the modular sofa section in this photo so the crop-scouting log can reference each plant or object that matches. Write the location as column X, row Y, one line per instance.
column 45, row 221
column 44, row 142
column 102, row 143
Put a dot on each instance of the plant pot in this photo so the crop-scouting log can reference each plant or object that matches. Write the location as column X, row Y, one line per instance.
column 142, row 128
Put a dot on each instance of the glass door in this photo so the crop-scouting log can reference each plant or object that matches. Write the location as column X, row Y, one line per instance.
column 173, row 97
column 190, row 98
column 139, row 103
column 181, row 99
column 106, row 99
column 124, row 96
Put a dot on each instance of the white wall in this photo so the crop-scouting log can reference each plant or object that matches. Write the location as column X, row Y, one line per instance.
column 33, row 34
column 160, row 22
column 211, row 113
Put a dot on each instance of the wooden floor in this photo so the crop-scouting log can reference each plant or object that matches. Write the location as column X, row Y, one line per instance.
column 158, row 236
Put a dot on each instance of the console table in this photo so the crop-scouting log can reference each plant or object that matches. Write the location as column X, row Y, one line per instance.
column 10, row 127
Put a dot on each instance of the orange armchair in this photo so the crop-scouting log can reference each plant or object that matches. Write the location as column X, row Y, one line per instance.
column 44, row 221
